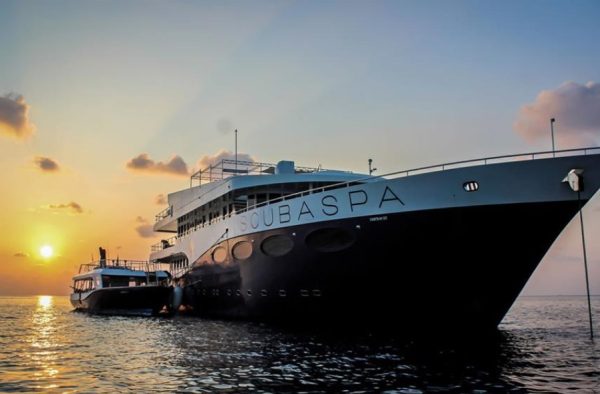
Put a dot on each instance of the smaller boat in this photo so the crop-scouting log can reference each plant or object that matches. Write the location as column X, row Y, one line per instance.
column 121, row 287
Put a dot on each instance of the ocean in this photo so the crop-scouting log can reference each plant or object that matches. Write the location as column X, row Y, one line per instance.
column 542, row 345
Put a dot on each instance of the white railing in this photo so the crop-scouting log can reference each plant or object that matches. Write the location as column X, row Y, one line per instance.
column 135, row 265
column 164, row 244
column 433, row 168
column 227, row 167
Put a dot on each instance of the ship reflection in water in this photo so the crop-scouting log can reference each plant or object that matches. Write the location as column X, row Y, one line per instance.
column 541, row 345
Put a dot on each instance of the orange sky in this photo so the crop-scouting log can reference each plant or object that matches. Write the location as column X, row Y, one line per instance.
column 106, row 105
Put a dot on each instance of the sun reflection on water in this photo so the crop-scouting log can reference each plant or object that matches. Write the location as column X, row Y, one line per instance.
column 45, row 301
column 44, row 340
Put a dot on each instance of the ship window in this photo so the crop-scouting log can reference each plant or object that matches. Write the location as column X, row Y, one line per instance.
column 277, row 245
column 471, row 186
column 330, row 240
column 263, row 293
column 219, row 254
column 115, row 281
column 83, row 285
column 242, row 250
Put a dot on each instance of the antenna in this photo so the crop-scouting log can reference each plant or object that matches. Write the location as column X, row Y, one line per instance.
column 371, row 170
column 552, row 132
column 575, row 180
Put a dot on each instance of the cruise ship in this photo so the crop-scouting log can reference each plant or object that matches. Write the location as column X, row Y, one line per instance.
column 448, row 246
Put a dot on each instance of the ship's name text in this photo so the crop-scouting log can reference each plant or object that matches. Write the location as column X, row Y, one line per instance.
column 328, row 205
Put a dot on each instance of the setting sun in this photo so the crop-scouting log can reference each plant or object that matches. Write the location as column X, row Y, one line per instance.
column 46, row 251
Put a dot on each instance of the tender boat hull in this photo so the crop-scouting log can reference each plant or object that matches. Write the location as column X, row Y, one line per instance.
column 139, row 300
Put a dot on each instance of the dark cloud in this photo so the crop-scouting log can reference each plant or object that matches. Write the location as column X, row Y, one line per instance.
column 145, row 229
column 161, row 199
column 576, row 109
column 21, row 254
column 224, row 126
column 72, row 207
column 208, row 160
column 14, row 117
column 143, row 163
column 46, row 164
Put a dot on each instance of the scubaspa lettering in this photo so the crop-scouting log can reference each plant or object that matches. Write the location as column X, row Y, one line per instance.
column 328, row 205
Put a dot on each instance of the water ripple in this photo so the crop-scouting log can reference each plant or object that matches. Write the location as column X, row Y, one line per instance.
column 542, row 346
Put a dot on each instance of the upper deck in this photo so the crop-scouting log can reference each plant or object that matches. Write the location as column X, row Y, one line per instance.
column 119, row 267
column 222, row 183
column 183, row 202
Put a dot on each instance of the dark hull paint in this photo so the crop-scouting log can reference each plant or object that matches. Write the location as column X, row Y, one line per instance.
column 140, row 300
column 448, row 269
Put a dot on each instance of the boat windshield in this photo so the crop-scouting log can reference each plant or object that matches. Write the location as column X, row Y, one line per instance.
column 123, row 281
column 83, row 285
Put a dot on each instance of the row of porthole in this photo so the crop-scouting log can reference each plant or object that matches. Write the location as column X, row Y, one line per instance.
column 325, row 240
column 263, row 292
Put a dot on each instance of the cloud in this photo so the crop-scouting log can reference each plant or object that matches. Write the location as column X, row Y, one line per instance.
column 145, row 229
column 160, row 199
column 224, row 126
column 576, row 109
column 21, row 254
column 14, row 117
column 143, row 163
column 206, row 161
column 46, row 164
column 71, row 208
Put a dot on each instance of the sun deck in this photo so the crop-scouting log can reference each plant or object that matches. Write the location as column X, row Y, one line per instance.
column 122, row 265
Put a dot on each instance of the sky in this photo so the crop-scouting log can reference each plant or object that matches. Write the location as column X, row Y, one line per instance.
column 106, row 106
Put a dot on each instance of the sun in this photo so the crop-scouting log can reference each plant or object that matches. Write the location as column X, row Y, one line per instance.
column 46, row 251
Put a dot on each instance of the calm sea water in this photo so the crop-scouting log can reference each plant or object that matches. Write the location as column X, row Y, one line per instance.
column 543, row 345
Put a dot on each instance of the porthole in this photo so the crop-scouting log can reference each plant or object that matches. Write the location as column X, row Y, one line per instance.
column 316, row 293
column 238, row 293
column 264, row 293
column 219, row 254
column 282, row 293
column 249, row 292
column 330, row 240
column 242, row 250
column 304, row 293
column 471, row 186
column 277, row 245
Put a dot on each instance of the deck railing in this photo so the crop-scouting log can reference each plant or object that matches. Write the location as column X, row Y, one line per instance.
column 164, row 244
column 227, row 167
column 137, row 265
column 163, row 214
column 433, row 168
column 403, row 173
